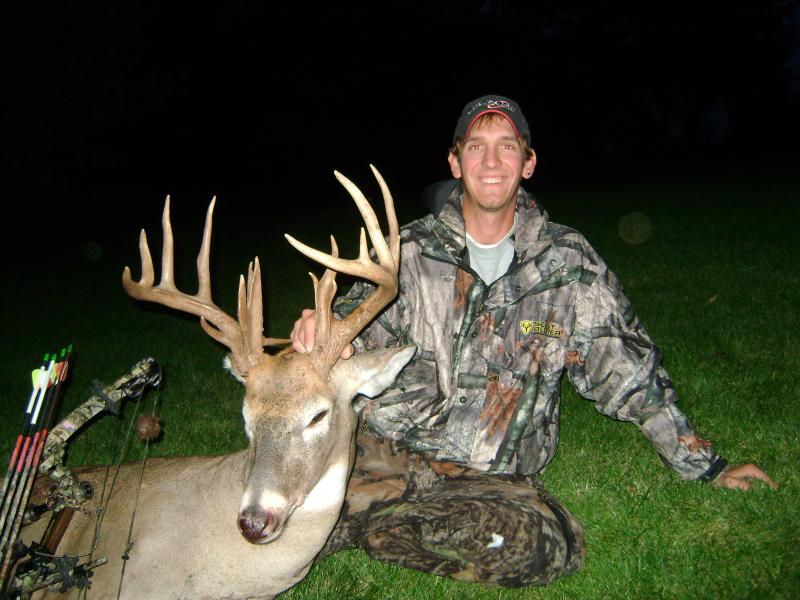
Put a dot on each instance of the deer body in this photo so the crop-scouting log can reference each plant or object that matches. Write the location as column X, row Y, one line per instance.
column 248, row 524
column 186, row 543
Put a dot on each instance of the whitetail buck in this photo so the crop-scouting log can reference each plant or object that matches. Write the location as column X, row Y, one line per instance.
column 249, row 524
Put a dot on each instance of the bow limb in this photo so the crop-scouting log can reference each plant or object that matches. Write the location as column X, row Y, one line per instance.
column 69, row 492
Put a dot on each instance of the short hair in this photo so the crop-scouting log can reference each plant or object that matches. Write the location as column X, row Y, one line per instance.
column 487, row 119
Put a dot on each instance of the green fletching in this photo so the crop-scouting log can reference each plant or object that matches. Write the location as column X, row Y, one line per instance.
column 35, row 376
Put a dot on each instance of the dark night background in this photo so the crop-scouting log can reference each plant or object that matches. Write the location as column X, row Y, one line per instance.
column 109, row 107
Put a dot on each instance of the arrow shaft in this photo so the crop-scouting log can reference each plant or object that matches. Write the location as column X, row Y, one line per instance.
column 18, row 493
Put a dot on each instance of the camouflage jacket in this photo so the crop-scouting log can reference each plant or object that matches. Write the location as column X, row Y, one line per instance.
column 484, row 387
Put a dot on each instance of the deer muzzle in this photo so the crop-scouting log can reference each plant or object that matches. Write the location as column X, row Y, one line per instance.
column 261, row 525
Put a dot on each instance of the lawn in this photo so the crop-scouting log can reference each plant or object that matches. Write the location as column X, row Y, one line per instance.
column 711, row 264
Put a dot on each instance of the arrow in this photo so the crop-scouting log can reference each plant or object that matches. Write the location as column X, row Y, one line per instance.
column 24, row 440
column 46, row 407
column 39, row 381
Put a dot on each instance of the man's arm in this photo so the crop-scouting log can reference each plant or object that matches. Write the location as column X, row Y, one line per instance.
column 615, row 363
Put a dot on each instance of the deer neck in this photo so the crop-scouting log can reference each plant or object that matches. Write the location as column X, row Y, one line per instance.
column 290, row 556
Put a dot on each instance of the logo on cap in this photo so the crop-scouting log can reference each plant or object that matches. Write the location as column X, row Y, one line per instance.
column 492, row 104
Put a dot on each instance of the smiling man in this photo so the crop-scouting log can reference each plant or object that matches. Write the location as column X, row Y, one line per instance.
column 491, row 159
column 500, row 302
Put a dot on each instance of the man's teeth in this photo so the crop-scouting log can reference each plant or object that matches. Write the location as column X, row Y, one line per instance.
column 491, row 179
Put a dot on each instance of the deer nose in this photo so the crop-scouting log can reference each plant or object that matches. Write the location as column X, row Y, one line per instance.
column 258, row 524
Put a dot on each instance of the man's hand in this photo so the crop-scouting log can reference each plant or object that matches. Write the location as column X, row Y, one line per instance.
column 737, row 477
column 303, row 334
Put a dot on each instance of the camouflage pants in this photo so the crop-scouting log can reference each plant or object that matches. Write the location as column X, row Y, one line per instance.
column 449, row 520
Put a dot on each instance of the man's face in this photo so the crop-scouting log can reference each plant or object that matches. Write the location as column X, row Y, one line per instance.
column 491, row 166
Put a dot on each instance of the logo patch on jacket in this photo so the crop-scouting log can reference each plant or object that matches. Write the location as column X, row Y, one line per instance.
column 543, row 327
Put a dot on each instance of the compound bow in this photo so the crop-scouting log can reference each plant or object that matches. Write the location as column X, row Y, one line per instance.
column 37, row 565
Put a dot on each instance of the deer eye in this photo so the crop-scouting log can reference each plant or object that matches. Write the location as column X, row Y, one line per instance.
column 317, row 418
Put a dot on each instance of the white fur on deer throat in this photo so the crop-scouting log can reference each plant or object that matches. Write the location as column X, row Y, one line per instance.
column 326, row 494
column 330, row 489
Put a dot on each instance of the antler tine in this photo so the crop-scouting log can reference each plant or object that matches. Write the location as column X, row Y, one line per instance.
column 391, row 217
column 203, row 269
column 167, row 249
column 324, row 293
column 148, row 275
column 255, row 312
column 255, row 308
column 241, row 304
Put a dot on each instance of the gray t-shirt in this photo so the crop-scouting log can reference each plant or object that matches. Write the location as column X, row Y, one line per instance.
column 491, row 261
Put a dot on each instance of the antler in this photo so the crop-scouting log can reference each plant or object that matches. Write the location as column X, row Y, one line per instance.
column 244, row 338
column 332, row 335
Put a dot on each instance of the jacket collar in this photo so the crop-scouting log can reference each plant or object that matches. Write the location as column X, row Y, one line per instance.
column 530, row 237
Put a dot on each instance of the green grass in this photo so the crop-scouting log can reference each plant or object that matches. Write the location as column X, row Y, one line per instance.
column 716, row 283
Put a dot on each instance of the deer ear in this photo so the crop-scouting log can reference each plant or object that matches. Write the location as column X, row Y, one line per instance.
column 230, row 366
column 369, row 373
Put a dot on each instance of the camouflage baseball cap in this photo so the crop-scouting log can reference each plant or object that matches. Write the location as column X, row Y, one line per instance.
column 492, row 104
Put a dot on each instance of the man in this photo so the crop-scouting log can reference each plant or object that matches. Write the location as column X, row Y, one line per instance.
column 500, row 302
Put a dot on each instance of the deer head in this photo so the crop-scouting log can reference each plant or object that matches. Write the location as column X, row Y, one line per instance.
column 297, row 407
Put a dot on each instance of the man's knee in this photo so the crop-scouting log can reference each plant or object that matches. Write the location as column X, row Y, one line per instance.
column 479, row 530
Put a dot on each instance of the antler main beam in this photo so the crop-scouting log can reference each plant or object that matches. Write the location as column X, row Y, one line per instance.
column 244, row 338
column 332, row 335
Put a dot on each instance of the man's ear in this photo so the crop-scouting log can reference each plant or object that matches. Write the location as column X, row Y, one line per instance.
column 369, row 373
column 529, row 165
column 455, row 167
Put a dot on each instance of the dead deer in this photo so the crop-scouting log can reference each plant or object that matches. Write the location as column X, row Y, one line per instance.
column 249, row 524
